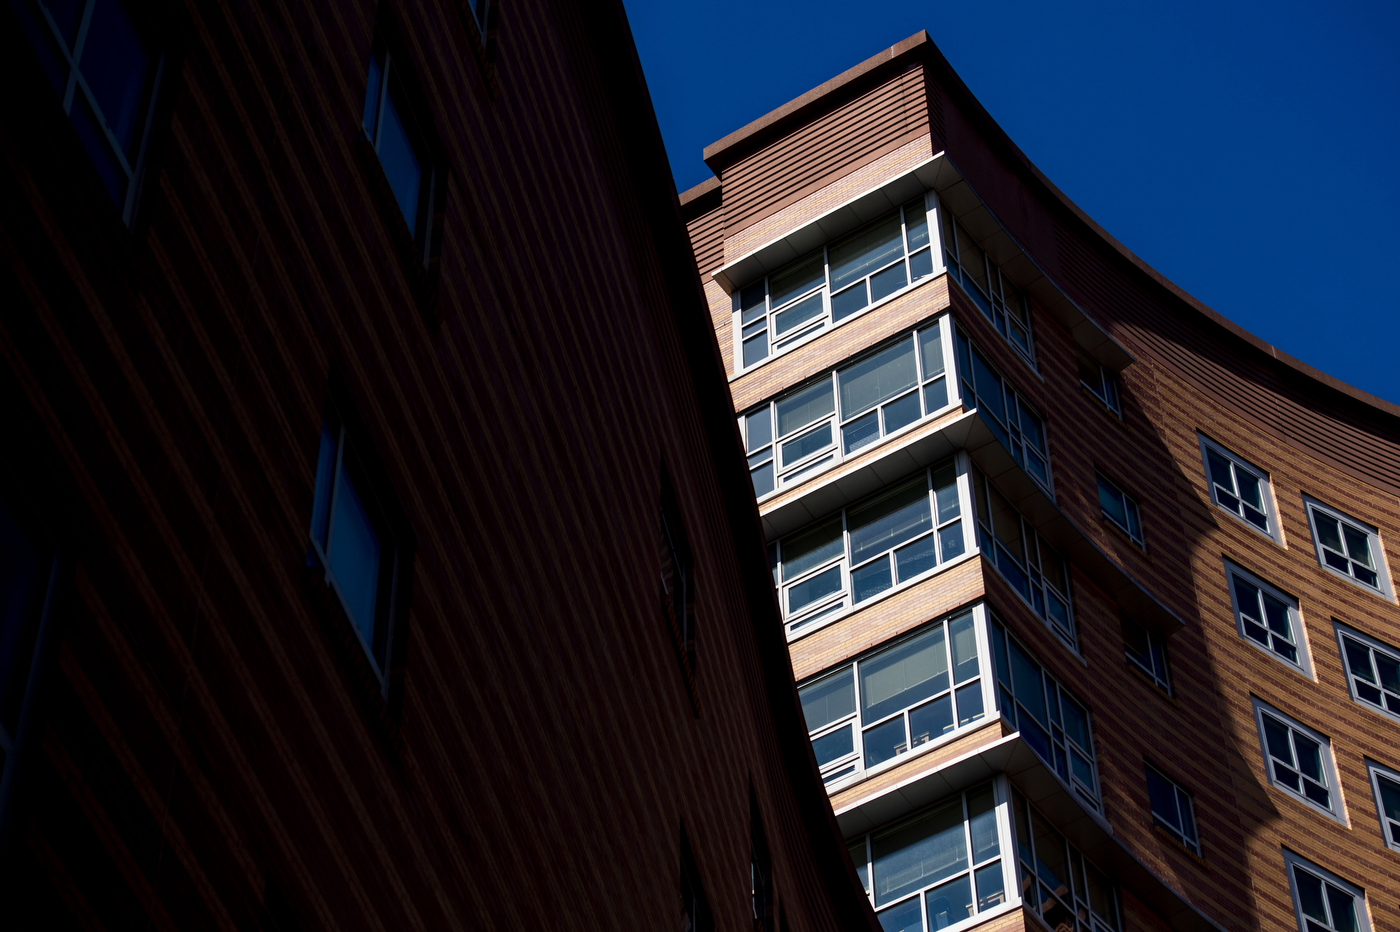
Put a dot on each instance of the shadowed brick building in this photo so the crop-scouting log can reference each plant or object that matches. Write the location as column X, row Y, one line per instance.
column 375, row 551
column 1086, row 590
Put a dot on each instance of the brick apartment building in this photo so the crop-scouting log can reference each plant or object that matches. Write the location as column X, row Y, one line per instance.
column 375, row 547
column 1086, row 589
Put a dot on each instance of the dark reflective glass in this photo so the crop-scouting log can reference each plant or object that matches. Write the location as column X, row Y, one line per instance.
column 815, row 589
column 95, row 141
column 884, row 742
column 916, row 558
column 115, row 62
column 400, row 161
column 889, row 520
column 795, row 280
column 930, row 721
column 902, row 412
column 871, row 580
column 804, row 406
column 903, row 675
column 811, row 548
column 861, row 432
column 828, row 700
column 791, row 318
column 834, row 746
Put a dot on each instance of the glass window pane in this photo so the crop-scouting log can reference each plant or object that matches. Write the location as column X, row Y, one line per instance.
column 1390, row 797
column 753, row 301
column 400, row 161
column 1050, row 864
column 884, row 742
column 834, row 746
column 1328, row 531
column 1076, row 722
column 115, row 63
column 871, row 580
column 921, row 265
column 970, row 707
column 804, row 406
column 828, row 699
column 804, row 445
column 1111, row 501
column 865, row 251
column 930, row 721
column 990, row 887
column 949, row 903
column 1006, row 525
column 916, row 225
column 971, row 259
column 325, row 476
column 811, row 548
column 354, row 556
column 903, row 675
column 815, row 589
column 1358, row 546
column 856, row 850
column 756, row 348
column 883, row 284
column 1220, row 472
column 1162, row 795
column 1343, row 909
column 372, row 97
column 901, row 412
column 795, row 315
column 931, row 351
column 1276, row 734
column 1310, row 894
column 916, row 558
column 1027, row 682
column 981, row 812
column 846, row 303
column 922, row 851
column 963, row 636
column 1309, row 757
column 988, row 383
column 796, row 280
column 889, row 520
column 878, row 378
column 906, row 917
column 759, row 428
column 861, row 432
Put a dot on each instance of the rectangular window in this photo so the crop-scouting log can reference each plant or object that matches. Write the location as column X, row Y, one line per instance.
column 1299, row 761
column 1171, row 809
column 1057, row 881
column 1000, row 301
column 881, row 543
column 101, row 62
column 1146, row 650
column 1322, row 901
column 1241, row 489
column 897, row 699
column 1385, row 783
column 1013, row 421
column 1268, row 618
column 1121, row 509
column 1347, row 548
column 817, row 425
column 937, row 868
column 351, row 542
column 695, row 906
column 760, row 870
column 1024, row 559
column 678, row 581
column 1098, row 379
column 1373, row 670
column 400, row 140
column 1050, row 720
column 825, row 287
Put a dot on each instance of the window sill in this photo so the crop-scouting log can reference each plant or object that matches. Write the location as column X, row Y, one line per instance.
column 1123, row 536
column 854, row 780
column 423, row 281
column 1155, row 686
column 1175, row 844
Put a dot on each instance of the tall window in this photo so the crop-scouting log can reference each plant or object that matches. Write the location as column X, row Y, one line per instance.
column 1299, row 761
column 1057, row 881
column 1241, row 489
column 1018, row 426
column 677, row 580
column 1347, row 548
column 990, row 289
column 896, row 699
column 26, row 590
column 1386, row 785
column 1146, row 650
column 1322, row 901
column 1050, row 720
column 1098, row 379
column 1121, row 509
column 881, row 543
column 695, row 906
column 1025, row 560
column 937, row 868
column 1171, row 809
column 1267, row 617
column 400, row 140
column 351, row 541
column 1373, row 670
column 99, row 59
column 816, row 425
column 760, row 870
column 859, row 270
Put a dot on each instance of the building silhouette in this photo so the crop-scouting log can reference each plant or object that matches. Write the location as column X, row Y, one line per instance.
column 1086, row 589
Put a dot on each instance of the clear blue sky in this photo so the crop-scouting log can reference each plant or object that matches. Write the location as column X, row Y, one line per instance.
column 1248, row 151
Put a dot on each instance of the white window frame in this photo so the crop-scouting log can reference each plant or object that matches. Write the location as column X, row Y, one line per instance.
column 819, row 461
column 1378, row 772
column 1383, row 586
column 1292, row 862
column 1006, row 842
column 1130, row 506
column 839, row 603
column 1375, row 646
column 1329, row 764
column 1295, row 619
column 836, row 773
column 1238, row 463
column 817, row 326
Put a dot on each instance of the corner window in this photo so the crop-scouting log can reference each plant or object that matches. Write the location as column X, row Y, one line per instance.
column 1098, row 379
column 1347, row 548
column 1372, row 668
column 678, row 581
column 825, row 287
column 1241, row 489
column 1299, row 761
column 1146, row 650
column 101, row 62
column 351, row 542
column 1121, row 509
column 1013, row 421
column 1000, row 301
column 1050, row 720
column 1171, row 809
column 1057, row 881
column 896, row 699
column 1386, row 785
column 1268, row 618
column 1024, row 559
column 400, row 141
column 880, row 543
column 937, row 868
column 795, row 436
column 1322, row 901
